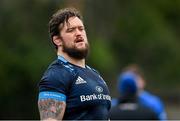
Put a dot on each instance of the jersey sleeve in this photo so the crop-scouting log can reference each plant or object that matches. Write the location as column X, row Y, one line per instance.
column 154, row 103
column 55, row 80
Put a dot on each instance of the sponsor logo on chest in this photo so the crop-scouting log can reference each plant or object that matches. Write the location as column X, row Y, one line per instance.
column 95, row 96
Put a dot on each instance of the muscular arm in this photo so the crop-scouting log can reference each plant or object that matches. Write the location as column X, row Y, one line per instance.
column 51, row 109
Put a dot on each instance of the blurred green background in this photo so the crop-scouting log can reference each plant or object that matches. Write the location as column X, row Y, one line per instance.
column 120, row 32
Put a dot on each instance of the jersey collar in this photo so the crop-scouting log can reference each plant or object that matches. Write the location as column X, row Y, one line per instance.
column 62, row 59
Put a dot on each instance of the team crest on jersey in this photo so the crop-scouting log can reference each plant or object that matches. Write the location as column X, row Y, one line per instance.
column 80, row 80
column 99, row 89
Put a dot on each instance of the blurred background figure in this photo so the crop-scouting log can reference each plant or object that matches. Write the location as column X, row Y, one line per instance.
column 145, row 98
column 127, row 106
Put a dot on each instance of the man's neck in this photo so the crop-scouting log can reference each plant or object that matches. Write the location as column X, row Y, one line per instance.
column 77, row 62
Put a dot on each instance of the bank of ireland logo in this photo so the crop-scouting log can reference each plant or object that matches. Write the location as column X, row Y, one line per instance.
column 99, row 89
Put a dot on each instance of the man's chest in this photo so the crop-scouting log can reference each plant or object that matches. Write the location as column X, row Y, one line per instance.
column 88, row 88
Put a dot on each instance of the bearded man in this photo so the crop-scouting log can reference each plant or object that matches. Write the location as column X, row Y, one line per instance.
column 69, row 89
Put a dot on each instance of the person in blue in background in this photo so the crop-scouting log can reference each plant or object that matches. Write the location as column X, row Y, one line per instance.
column 144, row 97
column 128, row 107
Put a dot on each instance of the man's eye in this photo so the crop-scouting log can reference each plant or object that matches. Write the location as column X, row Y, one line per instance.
column 70, row 30
column 81, row 28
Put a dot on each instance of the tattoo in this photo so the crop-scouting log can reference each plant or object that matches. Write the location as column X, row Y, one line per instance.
column 51, row 108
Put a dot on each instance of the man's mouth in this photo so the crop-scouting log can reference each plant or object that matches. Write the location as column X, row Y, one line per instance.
column 79, row 40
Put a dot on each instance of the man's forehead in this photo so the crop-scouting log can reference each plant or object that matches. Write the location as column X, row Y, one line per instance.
column 73, row 21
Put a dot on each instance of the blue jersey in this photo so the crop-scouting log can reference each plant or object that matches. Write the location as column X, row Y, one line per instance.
column 84, row 91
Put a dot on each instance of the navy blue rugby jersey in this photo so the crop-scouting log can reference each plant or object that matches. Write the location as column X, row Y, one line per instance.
column 83, row 89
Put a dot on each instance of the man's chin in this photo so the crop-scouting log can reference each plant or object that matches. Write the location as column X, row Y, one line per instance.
column 81, row 45
column 81, row 48
column 78, row 53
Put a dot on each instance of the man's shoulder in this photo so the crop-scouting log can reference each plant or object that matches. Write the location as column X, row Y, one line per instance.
column 56, row 78
column 56, row 74
column 57, row 66
column 56, row 69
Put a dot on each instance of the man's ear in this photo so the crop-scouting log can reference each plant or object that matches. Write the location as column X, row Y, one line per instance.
column 57, row 40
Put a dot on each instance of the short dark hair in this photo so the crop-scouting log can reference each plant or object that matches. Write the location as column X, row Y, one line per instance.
column 134, row 68
column 60, row 17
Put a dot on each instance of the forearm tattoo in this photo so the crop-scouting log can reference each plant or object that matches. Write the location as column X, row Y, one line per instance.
column 50, row 108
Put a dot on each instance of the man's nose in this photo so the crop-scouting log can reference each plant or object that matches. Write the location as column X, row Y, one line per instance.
column 78, row 32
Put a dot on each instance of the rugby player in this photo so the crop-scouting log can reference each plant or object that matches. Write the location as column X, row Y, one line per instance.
column 69, row 89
